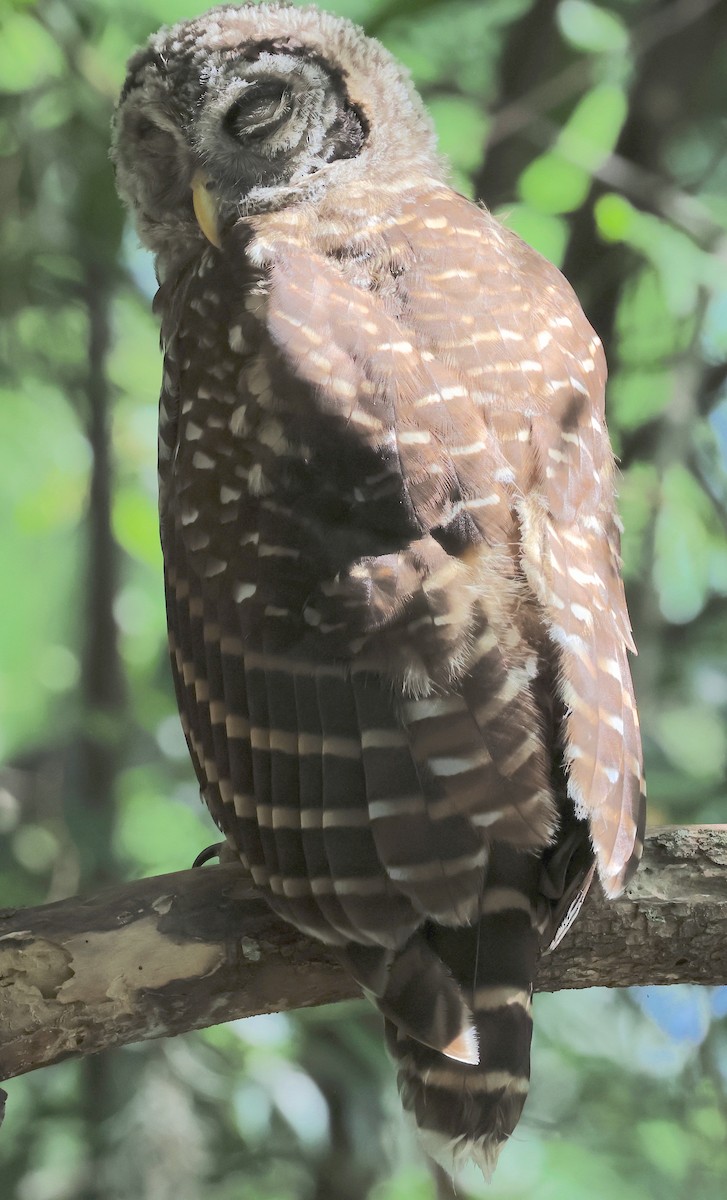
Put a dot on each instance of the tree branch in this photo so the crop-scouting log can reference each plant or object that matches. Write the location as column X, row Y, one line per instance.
column 160, row 956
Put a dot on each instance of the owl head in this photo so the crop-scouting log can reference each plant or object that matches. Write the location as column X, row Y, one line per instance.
column 252, row 108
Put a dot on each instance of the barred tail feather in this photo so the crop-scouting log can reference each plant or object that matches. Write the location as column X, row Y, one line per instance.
column 414, row 988
column 468, row 1111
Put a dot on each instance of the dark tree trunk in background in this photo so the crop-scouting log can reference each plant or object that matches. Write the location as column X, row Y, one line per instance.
column 531, row 82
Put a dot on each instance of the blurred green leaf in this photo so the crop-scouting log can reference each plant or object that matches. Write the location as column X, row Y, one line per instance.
column 28, row 54
column 694, row 738
column 558, row 181
column 591, row 27
column 638, row 496
column 543, row 231
column 636, row 397
column 461, row 128
column 667, row 1147
column 410, row 1184
column 682, row 547
column 155, row 833
column 551, row 184
column 136, row 526
column 591, row 132
column 651, row 337
column 683, row 266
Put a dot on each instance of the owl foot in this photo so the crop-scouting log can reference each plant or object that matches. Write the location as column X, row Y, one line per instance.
column 221, row 851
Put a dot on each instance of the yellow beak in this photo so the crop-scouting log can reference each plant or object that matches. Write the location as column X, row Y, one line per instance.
column 205, row 209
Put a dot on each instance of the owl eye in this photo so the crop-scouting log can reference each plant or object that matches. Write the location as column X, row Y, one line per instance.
column 261, row 107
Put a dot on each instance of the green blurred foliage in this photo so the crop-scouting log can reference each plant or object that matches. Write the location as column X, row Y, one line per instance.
column 600, row 130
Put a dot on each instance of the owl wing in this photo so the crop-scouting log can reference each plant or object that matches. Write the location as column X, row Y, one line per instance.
column 477, row 385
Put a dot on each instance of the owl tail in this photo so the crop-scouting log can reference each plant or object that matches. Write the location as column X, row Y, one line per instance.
column 415, row 991
column 467, row 1111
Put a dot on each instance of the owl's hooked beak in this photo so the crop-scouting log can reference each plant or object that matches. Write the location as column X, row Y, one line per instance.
column 205, row 208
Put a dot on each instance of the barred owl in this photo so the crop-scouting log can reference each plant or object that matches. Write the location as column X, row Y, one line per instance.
column 397, row 625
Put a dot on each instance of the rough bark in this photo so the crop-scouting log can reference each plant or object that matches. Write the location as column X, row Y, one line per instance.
column 160, row 956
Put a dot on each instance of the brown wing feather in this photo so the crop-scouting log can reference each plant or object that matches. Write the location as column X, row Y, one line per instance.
column 441, row 617
column 482, row 394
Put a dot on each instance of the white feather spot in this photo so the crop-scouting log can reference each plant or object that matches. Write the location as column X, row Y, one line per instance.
column 229, row 494
column 457, row 766
column 257, row 483
column 238, row 421
column 236, row 339
column 214, row 566
column 414, row 437
column 470, row 448
column 243, row 591
column 483, row 501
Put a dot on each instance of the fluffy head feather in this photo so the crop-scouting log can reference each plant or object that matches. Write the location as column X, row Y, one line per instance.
column 277, row 105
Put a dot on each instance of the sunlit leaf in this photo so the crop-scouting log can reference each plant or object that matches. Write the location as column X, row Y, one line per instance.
column 682, row 546
column 682, row 264
column 650, row 336
column 154, row 832
column 636, row 397
column 461, row 128
column 409, row 1184
column 559, row 180
column 666, row 1146
column 592, row 129
column 136, row 526
column 544, row 232
column 551, row 184
column 591, row 27
column 694, row 738
column 28, row 54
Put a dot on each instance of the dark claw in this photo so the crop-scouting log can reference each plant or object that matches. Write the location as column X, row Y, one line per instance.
column 208, row 853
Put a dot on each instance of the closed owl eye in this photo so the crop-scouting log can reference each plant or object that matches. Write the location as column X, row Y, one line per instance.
column 263, row 106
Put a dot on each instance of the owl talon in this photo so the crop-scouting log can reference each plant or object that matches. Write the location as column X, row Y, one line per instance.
column 209, row 852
